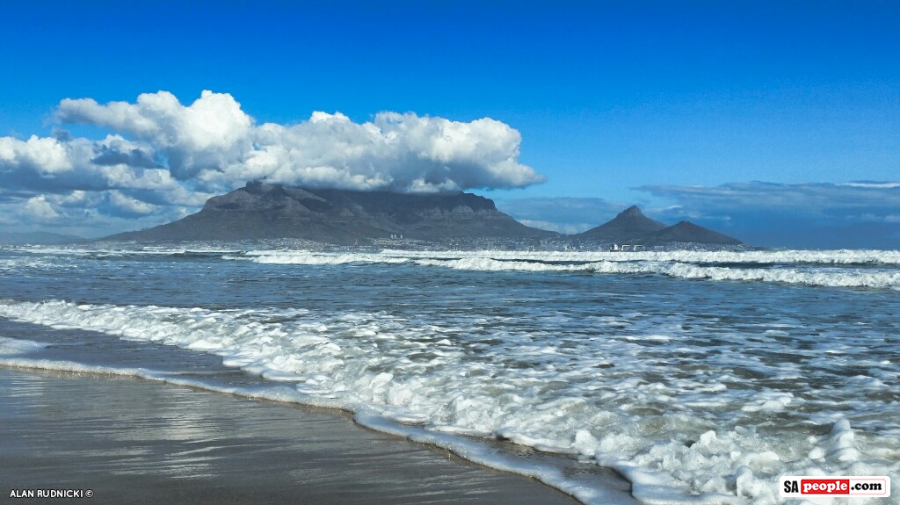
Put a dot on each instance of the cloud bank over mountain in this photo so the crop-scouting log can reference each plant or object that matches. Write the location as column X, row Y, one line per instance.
column 815, row 215
column 161, row 157
column 860, row 214
column 860, row 199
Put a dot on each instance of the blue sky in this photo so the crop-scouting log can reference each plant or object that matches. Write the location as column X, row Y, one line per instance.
column 614, row 102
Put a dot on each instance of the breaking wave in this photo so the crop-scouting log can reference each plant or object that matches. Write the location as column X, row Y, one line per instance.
column 812, row 268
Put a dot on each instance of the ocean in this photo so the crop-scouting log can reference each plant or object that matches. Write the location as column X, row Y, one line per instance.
column 700, row 377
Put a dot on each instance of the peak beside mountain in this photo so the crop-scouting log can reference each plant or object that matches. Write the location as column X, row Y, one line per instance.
column 632, row 226
column 686, row 231
column 633, row 211
column 262, row 211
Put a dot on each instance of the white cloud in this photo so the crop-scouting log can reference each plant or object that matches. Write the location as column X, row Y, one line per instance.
column 163, row 158
column 876, row 198
column 46, row 156
column 872, row 185
column 37, row 206
column 214, row 142
column 84, row 213
column 130, row 205
column 210, row 133
column 51, row 165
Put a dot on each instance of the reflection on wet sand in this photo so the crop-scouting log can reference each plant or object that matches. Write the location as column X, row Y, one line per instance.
column 132, row 441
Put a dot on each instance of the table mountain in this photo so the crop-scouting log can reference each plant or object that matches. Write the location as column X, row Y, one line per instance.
column 263, row 211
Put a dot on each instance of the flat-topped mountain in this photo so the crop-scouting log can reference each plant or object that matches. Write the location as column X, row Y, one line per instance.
column 632, row 227
column 263, row 211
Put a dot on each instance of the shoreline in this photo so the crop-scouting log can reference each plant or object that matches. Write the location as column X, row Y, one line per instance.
column 70, row 353
column 131, row 440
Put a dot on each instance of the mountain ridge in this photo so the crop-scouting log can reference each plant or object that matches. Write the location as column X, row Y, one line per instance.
column 346, row 217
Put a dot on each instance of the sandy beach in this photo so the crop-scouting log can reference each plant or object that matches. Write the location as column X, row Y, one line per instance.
column 133, row 442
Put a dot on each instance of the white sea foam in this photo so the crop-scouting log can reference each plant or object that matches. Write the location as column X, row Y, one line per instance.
column 884, row 280
column 682, row 264
column 685, row 429
column 16, row 347
column 593, row 493
column 838, row 257
column 109, row 252
column 317, row 258
column 767, row 257
column 24, row 264
column 838, row 268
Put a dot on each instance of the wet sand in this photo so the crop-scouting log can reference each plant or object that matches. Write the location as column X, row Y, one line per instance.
column 138, row 442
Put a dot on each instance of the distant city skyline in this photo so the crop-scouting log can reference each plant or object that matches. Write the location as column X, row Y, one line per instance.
column 775, row 123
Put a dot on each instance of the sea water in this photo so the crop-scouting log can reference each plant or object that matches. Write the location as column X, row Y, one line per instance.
column 701, row 377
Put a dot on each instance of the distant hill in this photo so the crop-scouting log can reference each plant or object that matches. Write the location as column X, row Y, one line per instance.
column 37, row 238
column 632, row 227
column 263, row 211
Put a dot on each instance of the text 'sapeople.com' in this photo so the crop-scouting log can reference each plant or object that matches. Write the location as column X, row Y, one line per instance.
column 873, row 487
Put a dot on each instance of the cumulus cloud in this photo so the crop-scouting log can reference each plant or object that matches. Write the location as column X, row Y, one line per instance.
column 45, row 156
column 400, row 152
column 38, row 206
column 210, row 133
column 83, row 213
column 54, row 166
column 161, row 156
column 216, row 143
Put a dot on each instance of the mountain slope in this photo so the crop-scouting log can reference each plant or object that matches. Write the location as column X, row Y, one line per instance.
column 261, row 211
column 630, row 225
column 685, row 231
